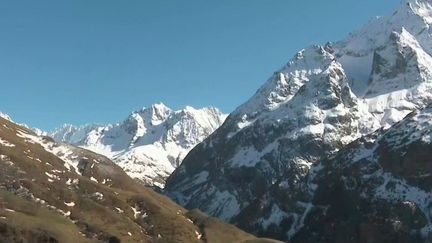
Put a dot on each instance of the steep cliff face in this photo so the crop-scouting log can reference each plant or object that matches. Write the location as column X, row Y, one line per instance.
column 150, row 143
column 257, row 169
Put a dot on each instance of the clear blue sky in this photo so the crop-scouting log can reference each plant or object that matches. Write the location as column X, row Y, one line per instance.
column 85, row 61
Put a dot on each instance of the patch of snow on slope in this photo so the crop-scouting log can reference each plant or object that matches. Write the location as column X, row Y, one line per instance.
column 401, row 191
column 6, row 143
column 226, row 204
column 276, row 217
column 63, row 151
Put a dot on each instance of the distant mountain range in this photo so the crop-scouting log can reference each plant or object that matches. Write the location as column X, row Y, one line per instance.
column 150, row 143
column 289, row 164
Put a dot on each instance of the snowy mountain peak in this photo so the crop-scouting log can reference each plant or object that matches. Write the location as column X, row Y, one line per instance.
column 160, row 112
column 154, row 115
column 151, row 142
column 309, row 58
column 286, row 82
column 160, row 106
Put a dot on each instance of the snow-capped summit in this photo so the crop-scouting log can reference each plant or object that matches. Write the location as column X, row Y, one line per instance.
column 414, row 15
column 286, row 82
column 264, row 155
column 155, row 114
column 150, row 143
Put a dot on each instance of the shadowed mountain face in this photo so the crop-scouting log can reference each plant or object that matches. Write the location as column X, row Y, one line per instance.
column 55, row 192
column 259, row 170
